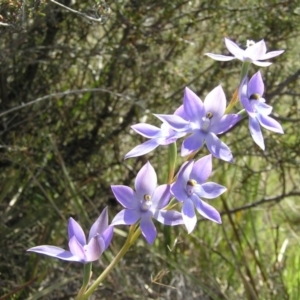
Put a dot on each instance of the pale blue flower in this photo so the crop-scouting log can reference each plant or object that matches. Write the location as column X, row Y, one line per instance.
column 203, row 121
column 190, row 187
column 251, row 97
column 81, row 251
column 164, row 135
column 253, row 53
column 146, row 202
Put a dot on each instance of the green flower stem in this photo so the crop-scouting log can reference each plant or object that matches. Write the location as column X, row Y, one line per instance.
column 242, row 113
column 235, row 98
column 172, row 149
column 132, row 237
column 245, row 69
column 87, row 272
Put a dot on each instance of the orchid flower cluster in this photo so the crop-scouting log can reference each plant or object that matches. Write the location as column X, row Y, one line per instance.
column 199, row 123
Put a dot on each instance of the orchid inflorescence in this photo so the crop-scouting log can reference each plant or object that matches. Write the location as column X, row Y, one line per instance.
column 199, row 123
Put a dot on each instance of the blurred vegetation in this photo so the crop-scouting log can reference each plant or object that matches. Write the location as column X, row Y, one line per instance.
column 70, row 88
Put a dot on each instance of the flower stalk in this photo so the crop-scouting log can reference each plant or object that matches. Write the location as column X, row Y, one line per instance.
column 132, row 237
column 87, row 274
column 172, row 161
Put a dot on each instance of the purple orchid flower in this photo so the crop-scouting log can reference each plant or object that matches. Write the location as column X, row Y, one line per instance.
column 99, row 239
column 204, row 121
column 145, row 203
column 250, row 95
column 254, row 53
column 190, row 186
column 158, row 136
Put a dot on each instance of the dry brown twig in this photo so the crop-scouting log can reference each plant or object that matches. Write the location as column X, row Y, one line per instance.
column 100, row 20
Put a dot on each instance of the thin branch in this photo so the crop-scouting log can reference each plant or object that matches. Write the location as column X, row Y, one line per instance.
column 100, row 20
column 70, row 92
column 284, row 84
column 5, row 24
column 262, row 201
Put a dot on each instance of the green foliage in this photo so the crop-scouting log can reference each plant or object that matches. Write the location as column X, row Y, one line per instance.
column 61, row 153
